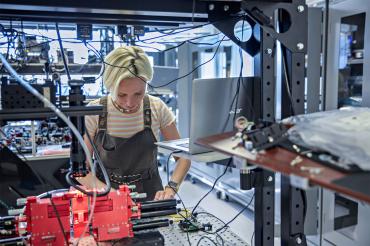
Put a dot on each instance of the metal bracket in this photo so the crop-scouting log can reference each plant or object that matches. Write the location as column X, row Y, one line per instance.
column 264, row 13
column 225, row 16
column 268, row 137
column 349, row 219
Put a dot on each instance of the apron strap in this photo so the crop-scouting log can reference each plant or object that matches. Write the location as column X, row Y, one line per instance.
column 102, row 125
column 104, row 117
column 147, row 112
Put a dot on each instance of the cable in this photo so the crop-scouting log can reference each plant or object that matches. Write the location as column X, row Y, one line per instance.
column 252, row 238
column 186, row 218
column 167, row 164
column 240, row 81
column 59, row 221
column 325, row 52
column 184, row 29
column 64, row 118
column 175, row 42
column 189, row 221
column 69, row 174
column 182, row 43
column 194, row 69
column 236, row 216
column 102, row 168
column 209, row 214
column 213, row 186
column 99, row 55
column 173, row 33
column 287, row 83
column 62, row 51
column 182, row 202
column 174, row 80
column 222, row 240
column 205, row 236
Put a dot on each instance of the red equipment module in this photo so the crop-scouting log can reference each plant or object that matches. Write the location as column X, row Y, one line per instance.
column 111, row 219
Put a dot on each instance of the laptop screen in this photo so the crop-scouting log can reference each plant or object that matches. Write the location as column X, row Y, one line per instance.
column 217, row 102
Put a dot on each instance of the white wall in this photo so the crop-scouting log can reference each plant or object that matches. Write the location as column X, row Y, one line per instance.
column 337, row 11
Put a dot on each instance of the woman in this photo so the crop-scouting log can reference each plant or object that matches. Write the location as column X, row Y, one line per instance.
column 126, row 133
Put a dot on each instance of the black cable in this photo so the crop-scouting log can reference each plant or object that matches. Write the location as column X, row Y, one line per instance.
column 62, row 51
column 194, row 69
column 176, row 42
column 179, row 44
column 189, row 221
column 213, row 186
column 206, row 237
column 236, row 95
column 222, row 240
column 286, row 77
column 240, row 74
column 182, row 202
column 59, row 221
column 236, row 216
column 99, row 55
column 304, row 199
column 325, row 62
column 174, row 80
column 70, row 179
column 209, row 214
column 184, row 29
column 230, row 108
column 181, row 31
column 163, row 31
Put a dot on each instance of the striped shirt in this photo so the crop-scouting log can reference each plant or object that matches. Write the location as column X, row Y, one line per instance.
column 126, row 125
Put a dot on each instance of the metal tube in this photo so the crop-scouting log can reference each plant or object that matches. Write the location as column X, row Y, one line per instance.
column 159, row 213
column 12, row 240
column 158, row 204
column 151, row 225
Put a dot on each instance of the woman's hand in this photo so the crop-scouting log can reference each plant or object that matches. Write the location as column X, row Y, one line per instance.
column 167, row 193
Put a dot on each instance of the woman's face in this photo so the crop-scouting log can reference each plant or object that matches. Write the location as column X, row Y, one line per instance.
column 130, row 94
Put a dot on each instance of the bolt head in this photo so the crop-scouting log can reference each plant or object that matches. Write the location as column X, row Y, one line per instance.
column 268, row 51
column 300, row 8
column 226, row 8
column 300, row 46
column 270, row 178
column 298, row 240
column 211, row 7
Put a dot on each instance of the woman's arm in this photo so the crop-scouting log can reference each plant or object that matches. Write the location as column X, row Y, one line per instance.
column 170, row 132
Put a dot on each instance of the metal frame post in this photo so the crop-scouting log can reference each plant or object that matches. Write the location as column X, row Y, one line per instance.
column 264, row 207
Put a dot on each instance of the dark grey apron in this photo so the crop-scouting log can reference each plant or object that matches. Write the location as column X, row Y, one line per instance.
column 130, row 160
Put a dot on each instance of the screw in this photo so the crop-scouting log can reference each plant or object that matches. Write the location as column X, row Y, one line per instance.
column 300, row 8
column 268, row 51
column 269, row 178
column 298, row 240
column 300, row 46
column 226, row 8
column 211, row 7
